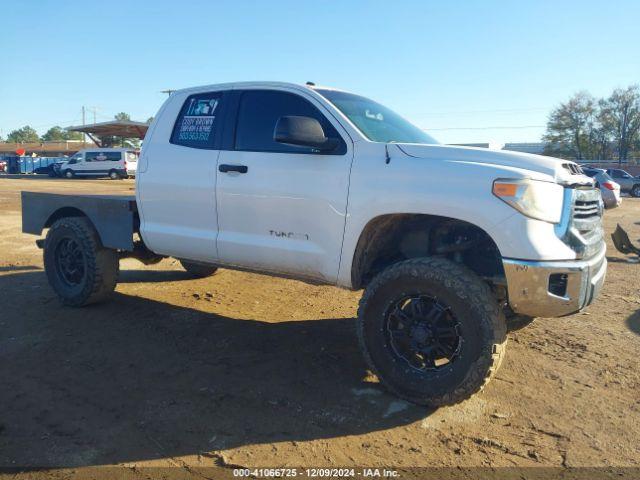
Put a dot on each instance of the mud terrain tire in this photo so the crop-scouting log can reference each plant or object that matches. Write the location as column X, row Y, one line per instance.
column 79, row 269
column 479, row 325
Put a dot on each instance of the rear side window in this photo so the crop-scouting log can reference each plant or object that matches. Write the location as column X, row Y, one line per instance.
column 258, row 114
column 102, row 156
column 198, row 121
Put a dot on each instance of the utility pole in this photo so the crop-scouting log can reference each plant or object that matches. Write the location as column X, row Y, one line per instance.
column 84, row 135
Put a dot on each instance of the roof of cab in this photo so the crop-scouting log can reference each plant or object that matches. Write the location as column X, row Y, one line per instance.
column 253, row 84
column 239, row 85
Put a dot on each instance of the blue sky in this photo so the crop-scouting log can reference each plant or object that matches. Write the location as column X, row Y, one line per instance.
column 452, row 67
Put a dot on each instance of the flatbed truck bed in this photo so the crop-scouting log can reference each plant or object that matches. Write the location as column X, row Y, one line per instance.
column 115, row 217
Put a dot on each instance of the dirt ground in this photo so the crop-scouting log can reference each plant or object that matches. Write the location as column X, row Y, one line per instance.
column 247, row 370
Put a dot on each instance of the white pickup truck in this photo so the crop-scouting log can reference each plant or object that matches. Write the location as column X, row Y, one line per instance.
column 449, row 244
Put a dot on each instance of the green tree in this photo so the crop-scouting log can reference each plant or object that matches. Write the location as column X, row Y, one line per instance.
column 149, row 120
column 122, row 117
column 59, row 134
column 572, row 128
column 73, row 135
column 54, row 134
column 621, row 112
column 25, row 134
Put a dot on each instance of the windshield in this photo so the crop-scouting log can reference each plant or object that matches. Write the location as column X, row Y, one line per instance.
column 375, row 121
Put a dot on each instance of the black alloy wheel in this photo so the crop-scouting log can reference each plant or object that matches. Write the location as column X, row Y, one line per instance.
column 423, row 332
column 70, row 262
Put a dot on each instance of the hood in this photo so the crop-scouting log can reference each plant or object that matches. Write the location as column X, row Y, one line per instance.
column 562, row 171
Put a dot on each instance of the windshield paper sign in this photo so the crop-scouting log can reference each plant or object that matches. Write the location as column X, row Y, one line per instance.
column 197, row 123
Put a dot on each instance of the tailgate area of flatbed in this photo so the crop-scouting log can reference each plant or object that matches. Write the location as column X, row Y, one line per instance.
column 114, row 216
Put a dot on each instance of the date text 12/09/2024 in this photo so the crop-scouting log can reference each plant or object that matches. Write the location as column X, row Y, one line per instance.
column 316, row 472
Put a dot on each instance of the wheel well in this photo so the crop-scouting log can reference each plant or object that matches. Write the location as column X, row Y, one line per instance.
column 62, row 213
column 389, row 239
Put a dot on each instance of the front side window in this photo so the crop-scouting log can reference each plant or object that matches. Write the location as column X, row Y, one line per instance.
column 198, row 120
column 259, row 113
column 375, row 121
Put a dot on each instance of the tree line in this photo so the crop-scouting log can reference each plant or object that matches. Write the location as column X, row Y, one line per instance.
column 589, row 128
column 28, row 134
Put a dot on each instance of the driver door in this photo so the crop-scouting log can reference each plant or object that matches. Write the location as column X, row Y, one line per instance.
column 282, row 208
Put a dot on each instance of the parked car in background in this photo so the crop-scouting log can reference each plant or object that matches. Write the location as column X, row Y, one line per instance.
column 101, row 162
column 628, row 183
column 52, row 169
column 609, row 189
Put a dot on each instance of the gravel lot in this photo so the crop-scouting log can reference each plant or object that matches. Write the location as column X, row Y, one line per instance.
column 243, row 369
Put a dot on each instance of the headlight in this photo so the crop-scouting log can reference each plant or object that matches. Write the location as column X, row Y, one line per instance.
column 533, row 198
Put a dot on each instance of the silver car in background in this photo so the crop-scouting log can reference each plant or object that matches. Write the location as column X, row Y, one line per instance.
column 609, row 189
column 628, row 183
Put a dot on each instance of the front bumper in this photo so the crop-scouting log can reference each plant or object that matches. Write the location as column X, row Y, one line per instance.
column 554, row 289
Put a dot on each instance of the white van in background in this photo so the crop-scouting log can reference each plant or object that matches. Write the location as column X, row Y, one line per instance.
column 101, row 162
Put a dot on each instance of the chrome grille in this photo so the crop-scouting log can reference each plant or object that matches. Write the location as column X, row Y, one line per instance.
column 586, row 210
column 583, row 228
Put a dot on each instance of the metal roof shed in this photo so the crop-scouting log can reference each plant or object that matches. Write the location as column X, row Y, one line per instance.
column 115, row 128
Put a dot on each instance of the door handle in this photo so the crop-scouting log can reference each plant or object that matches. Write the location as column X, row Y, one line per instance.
column 225, row 168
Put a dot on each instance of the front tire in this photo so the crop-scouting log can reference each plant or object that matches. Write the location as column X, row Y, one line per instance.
column 69, row 174
column 198, row 270
column 635, row 191
column 431, row 330
column 79, row 269
column 113, row 175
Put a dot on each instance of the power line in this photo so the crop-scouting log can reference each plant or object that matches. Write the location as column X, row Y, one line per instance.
column 503, row 110
column 502, row 127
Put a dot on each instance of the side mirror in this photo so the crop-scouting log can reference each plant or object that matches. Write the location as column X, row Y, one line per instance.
column 303, row 132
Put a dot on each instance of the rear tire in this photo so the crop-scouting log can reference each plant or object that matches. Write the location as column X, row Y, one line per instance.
column 113, row 175
column 635, row 191
column 198, row 270
column 444, row 344
column 79, row 269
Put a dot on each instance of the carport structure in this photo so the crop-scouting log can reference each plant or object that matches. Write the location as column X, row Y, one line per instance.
column 115, row 128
